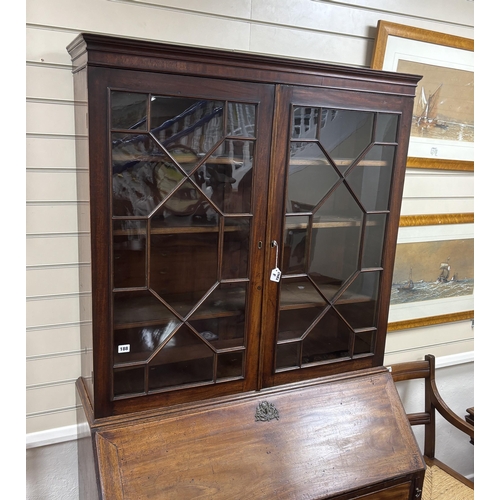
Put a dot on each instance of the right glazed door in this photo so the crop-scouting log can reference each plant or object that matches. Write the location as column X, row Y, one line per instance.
column 333, row 175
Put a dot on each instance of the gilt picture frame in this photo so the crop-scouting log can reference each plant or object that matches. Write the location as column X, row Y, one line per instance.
column 433, row 278
column 442, row 135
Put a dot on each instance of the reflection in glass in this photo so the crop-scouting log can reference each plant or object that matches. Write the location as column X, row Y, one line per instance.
column 358, row 304
column 185, row 359
column 374, row 240
column 345, row 134
column 310, row 177
column 128, row 381
column 305, row 121
column 339, row 173
column 128, row 110
column 371, row 178
column 182, row 174
column 295, row 244
column 387, row 126
column 236, row 247
column 186, row 200
column 240, row 119
column 226, row 176
column 329, row 339
column 141, row 322
column 167, row 178
column 129, row 253
column 193, row 123
column 230, row 364
column 136, row 161
column 184, row 156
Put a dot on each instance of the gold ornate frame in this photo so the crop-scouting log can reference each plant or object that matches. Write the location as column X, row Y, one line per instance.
column 433, row 220
column 386, row 29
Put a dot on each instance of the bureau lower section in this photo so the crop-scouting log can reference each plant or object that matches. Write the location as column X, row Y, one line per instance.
column 344, row 438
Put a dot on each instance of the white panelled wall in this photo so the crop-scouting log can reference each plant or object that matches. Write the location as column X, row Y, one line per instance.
column 340, row 32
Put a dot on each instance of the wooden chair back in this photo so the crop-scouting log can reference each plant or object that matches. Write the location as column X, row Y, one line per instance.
column 426, row 369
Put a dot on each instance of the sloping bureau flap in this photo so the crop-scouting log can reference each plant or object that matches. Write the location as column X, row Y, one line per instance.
column 312, row 442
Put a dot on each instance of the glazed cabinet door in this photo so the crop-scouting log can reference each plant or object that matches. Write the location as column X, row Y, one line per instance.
column 337, row 175
column 185, row 169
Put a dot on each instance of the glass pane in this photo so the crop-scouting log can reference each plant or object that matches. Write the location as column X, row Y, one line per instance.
column 129, row 381
column 336, row 240
column 345, row 135
column 358, row 304
column 310, row 177
column 129, row 253
column 185, row 359
column 371, row 178
column 300, row 305
column 226, row 177
column 141, row 324
column 236, row 246
column 138, row 163
column 363, row 343
column 295, row 245
column 129, row 110
column 299, row 292
column 287, row 355
column 220, row 319
column 185, row 200
column 183, row 263
column 387, row 126
column 329, row 339
column 183, row 156
column 374, row 240
column 241, row 119
column 192, row 123
column 230, row 365
column 305, row 121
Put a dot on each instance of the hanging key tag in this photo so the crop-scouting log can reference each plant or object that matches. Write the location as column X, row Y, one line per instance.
column 275, row 273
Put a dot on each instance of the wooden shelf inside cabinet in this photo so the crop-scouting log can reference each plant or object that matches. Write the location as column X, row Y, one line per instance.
column 172, row 229
column 167, row 355
column 327, row 223
column 304, row 295
column 180, row 159
column 340, row 162
column 139, row 311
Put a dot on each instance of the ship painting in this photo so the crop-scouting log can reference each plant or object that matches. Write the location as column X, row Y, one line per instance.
column 444, row 275
column 408, row 286
column 445, row 284
column 428, row 104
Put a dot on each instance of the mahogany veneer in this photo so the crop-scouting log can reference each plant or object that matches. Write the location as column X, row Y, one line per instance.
column 205, row 170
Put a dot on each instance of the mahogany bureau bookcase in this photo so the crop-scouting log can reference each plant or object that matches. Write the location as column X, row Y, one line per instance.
column 243, row 214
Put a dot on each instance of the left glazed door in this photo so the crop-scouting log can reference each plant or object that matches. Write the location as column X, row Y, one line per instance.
column 182, row 203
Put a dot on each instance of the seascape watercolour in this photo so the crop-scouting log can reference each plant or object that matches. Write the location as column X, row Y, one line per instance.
column 433, row 272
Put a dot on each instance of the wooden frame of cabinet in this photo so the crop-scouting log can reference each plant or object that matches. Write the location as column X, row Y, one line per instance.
column 106, row 67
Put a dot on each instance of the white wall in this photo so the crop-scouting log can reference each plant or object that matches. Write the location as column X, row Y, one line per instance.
column 335, row 31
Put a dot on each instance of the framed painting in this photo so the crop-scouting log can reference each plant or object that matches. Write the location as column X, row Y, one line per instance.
column 433, row 280
column 442, row 132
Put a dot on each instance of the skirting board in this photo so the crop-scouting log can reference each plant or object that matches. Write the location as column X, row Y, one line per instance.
column 70, row 432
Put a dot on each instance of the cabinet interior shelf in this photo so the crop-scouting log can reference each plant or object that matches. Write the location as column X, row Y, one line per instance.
column 223, row 160
column 334, row 223
column 177, row 354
